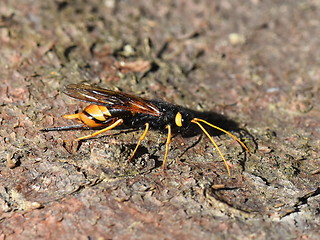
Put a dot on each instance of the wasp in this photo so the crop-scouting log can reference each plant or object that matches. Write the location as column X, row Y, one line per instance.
column 109, row 109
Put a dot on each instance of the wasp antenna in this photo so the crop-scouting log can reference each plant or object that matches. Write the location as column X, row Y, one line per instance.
column 196, row 121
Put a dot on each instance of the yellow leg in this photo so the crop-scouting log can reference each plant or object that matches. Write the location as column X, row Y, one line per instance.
column 167, row 146
column 116, row 123
column 71, row 116
column 140, row 139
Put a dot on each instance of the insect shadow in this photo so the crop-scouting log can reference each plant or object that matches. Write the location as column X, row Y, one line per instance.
column 192, row 130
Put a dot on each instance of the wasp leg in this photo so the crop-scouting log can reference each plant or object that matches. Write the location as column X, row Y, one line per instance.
column 140, row 139
column 71, row 116
column 116, row 123
column 167, row 146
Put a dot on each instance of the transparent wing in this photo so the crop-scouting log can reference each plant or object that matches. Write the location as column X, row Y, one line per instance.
column 110, row 99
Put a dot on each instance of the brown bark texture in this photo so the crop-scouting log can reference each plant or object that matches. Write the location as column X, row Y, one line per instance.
column 253, row 63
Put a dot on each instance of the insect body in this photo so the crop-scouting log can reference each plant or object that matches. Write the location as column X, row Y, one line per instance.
column 109, row 109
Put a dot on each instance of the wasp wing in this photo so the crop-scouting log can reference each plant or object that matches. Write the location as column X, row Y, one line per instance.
column 111, row 99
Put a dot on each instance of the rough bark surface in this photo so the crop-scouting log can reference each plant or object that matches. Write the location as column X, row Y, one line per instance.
column 256, row 62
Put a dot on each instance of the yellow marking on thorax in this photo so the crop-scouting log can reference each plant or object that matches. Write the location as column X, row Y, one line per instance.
column 178, row 119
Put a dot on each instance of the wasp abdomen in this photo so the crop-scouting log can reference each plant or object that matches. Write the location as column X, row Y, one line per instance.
column 95, row 115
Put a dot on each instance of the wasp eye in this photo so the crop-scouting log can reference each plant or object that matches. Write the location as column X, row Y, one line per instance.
column 178, row 119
